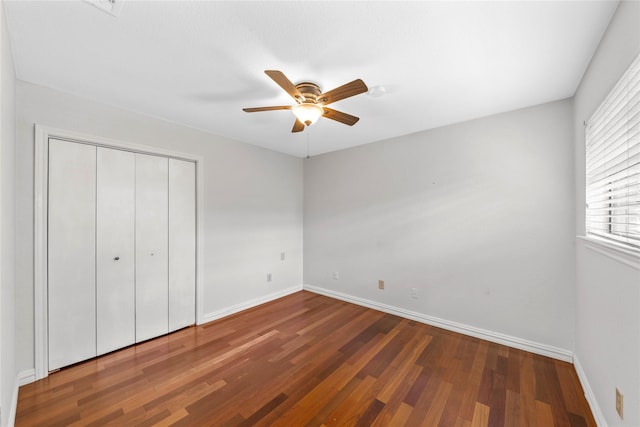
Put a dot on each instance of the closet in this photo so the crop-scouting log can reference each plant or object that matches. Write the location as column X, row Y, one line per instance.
column 121, row 249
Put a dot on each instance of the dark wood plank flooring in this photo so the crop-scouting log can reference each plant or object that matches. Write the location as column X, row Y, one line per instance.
column 309, row 360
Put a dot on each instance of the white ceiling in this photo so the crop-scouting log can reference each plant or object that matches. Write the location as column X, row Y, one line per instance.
column 199, row 63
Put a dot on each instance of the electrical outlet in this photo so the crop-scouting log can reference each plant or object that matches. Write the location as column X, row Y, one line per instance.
column 414, row 293
column 281, row 256
column 334, row 275
column 380, row 284
column 620, row 403
column 268, row 277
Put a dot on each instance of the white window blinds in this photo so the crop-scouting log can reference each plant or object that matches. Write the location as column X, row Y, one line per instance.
column 613, row 163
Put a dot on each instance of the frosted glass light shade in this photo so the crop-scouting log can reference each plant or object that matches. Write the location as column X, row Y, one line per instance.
column 308, row 113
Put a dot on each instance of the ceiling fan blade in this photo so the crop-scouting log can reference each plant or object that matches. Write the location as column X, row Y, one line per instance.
column 353, row 88
column 285, row 83
column 256, row 109
column 298, row 126
column 339, row 116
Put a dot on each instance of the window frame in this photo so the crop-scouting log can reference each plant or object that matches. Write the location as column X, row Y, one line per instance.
column 606, row 240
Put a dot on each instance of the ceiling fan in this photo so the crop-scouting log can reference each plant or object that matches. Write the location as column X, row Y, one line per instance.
column 311, row 102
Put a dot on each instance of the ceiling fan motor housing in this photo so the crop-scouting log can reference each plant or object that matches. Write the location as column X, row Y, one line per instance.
column 310, row 91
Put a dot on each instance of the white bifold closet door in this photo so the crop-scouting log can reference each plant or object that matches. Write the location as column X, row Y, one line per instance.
column 72, row 253
column 115, row 249
column 152, row 246
column 182, row 244
column 121, row 249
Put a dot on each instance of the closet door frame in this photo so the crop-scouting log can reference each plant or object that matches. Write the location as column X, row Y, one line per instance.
column 41, row 184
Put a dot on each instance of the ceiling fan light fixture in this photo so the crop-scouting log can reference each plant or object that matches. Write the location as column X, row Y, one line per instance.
column 307, row 113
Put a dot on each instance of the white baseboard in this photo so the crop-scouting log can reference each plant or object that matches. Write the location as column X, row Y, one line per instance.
column 588, row 393
column 519, row 343
column 218, row 314
column 26, row 377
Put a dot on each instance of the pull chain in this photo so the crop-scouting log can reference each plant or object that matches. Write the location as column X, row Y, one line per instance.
column 308, row 132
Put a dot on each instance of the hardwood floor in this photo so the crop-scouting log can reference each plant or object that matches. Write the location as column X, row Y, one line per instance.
column 308, row 360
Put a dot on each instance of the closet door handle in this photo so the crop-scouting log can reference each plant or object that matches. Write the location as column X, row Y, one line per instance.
column 116, row 258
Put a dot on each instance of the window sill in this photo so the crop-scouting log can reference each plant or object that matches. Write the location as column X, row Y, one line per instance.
column 620, row 253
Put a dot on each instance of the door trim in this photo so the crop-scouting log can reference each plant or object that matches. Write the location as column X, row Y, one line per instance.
column 41, row 178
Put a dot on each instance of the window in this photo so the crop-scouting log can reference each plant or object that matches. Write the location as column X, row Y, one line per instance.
column 613, row 163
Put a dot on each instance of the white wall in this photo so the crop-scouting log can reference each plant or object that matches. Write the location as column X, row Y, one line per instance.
column 8, row 370
column 253, row 202
column 477, row 216
column 608, row 292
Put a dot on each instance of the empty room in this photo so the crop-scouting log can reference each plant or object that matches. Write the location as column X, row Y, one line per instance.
column 320, row 213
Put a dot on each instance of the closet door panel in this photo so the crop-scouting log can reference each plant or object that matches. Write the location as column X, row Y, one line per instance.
column 115, row 262
column 71, row 253
column 182, row 244
column 152, row 309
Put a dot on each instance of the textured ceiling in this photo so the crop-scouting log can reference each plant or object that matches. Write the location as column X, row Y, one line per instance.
column 199, row 63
